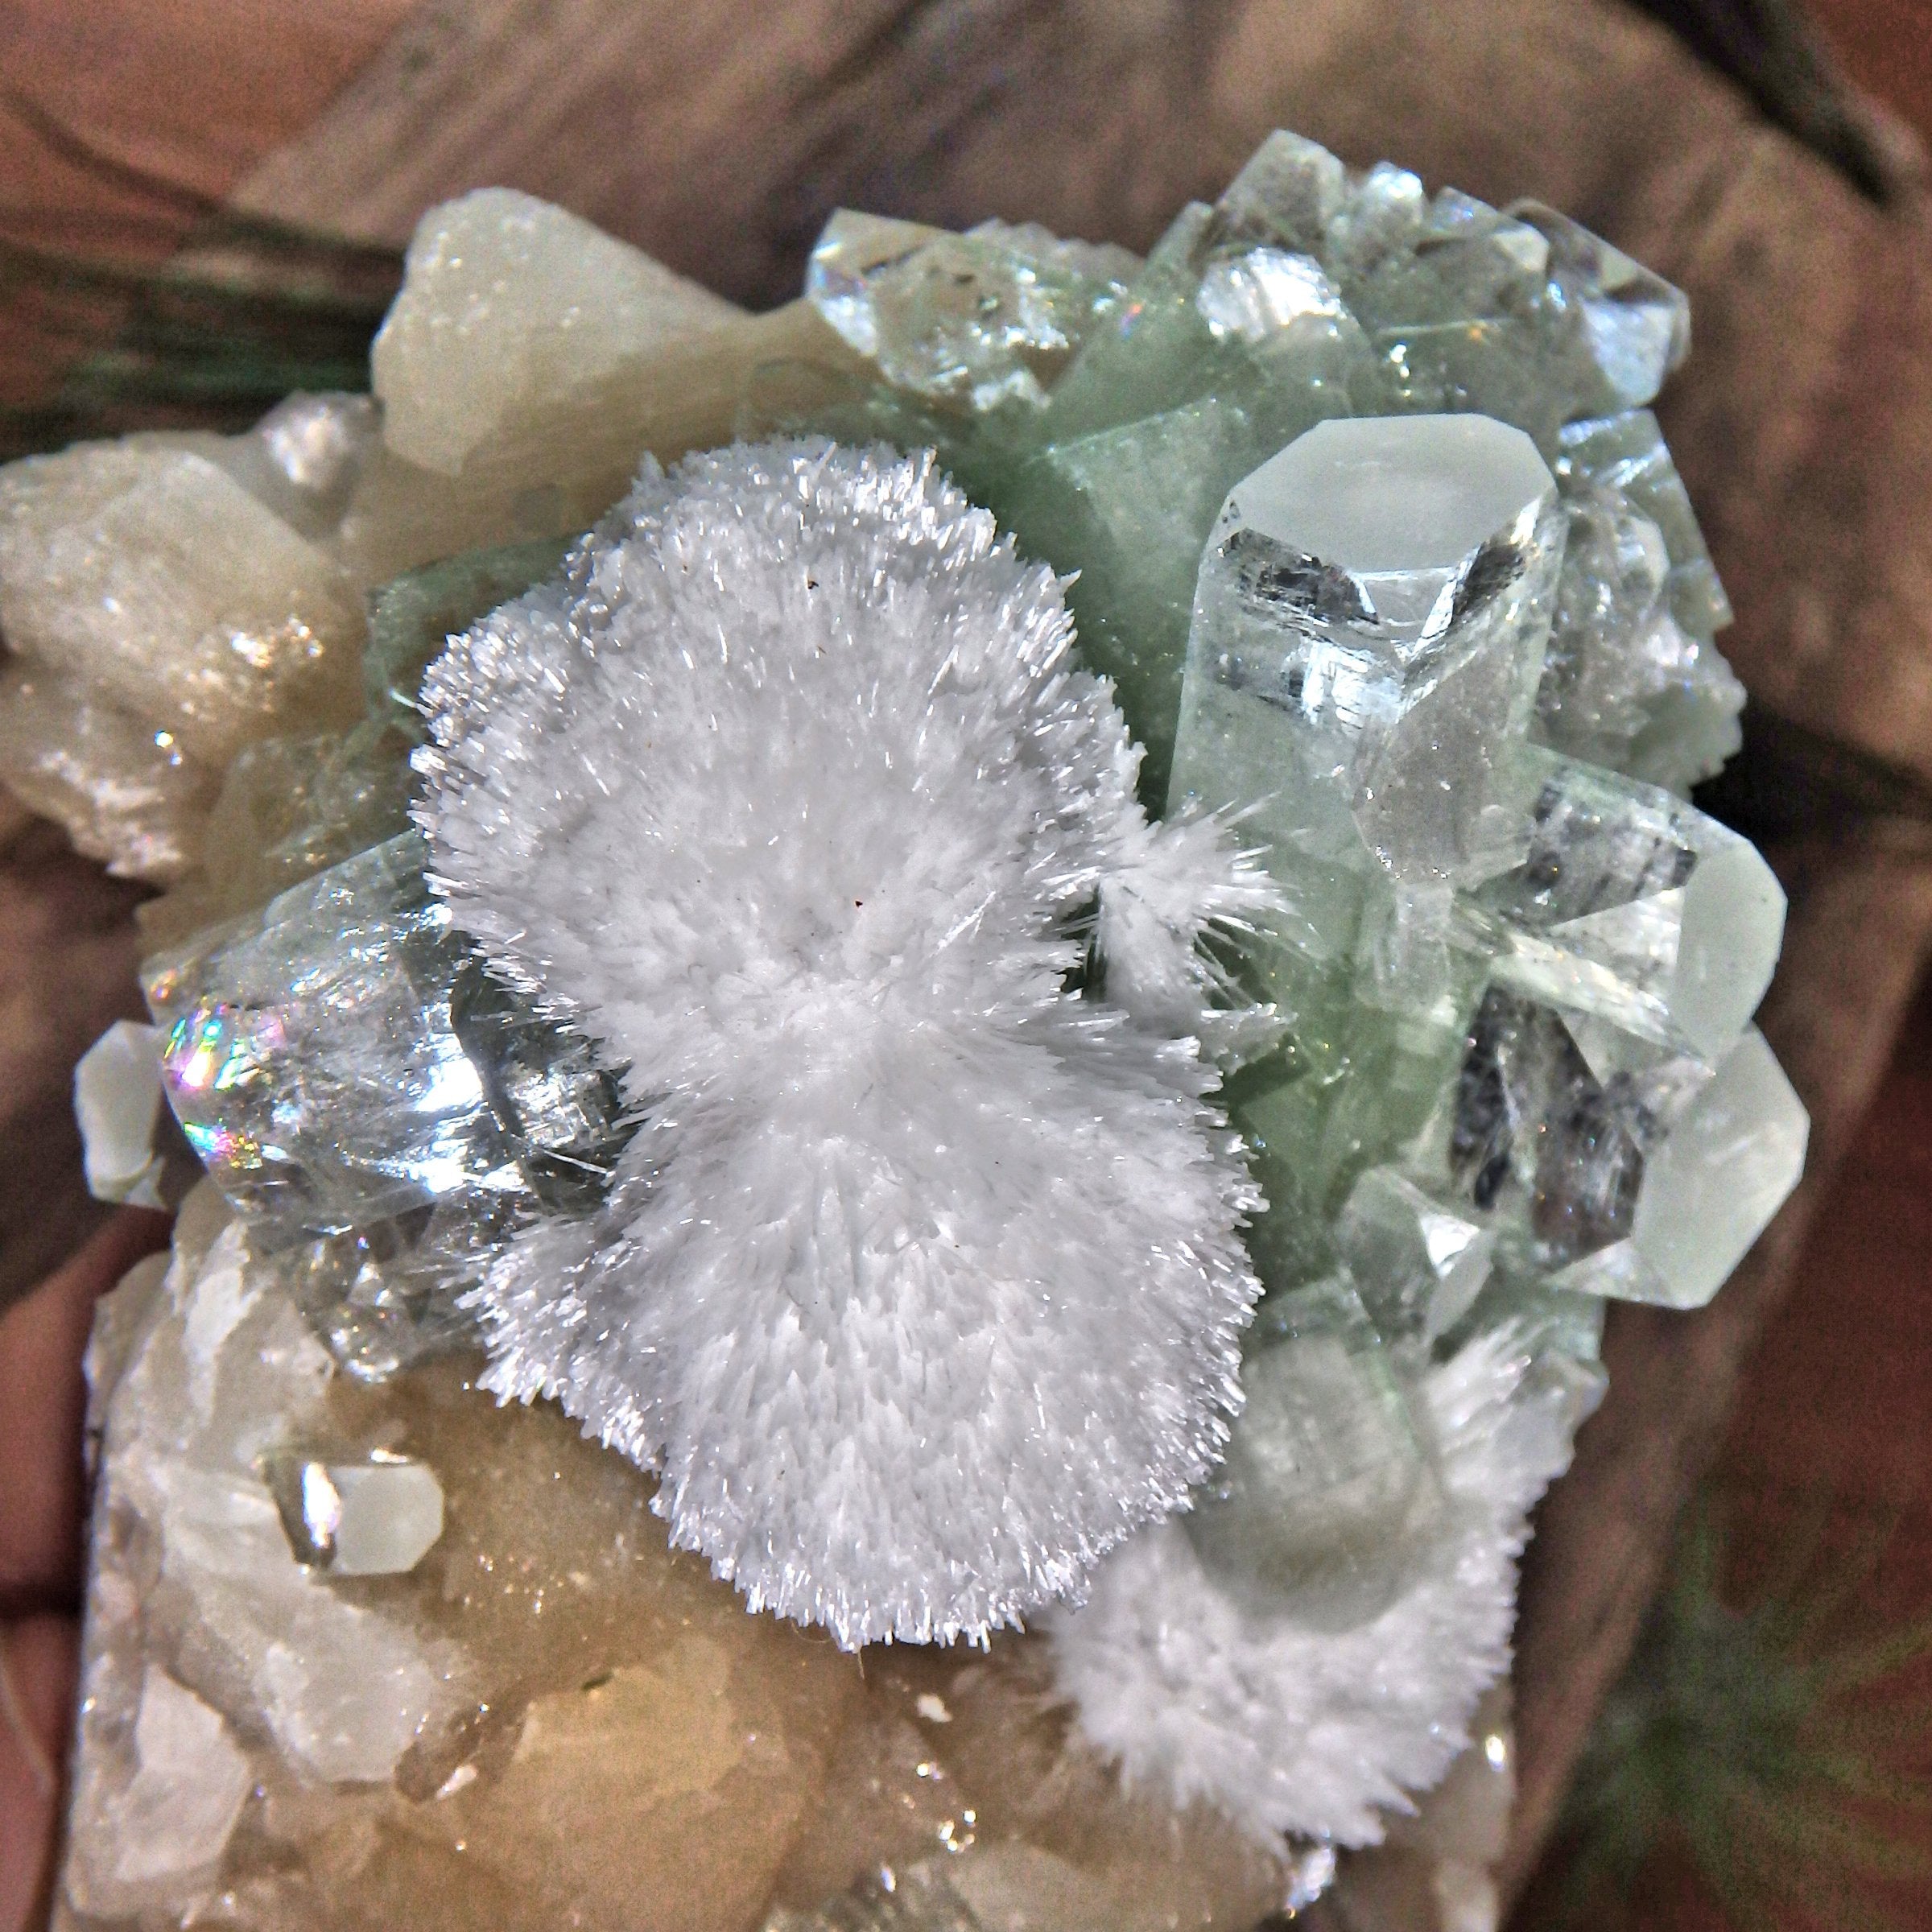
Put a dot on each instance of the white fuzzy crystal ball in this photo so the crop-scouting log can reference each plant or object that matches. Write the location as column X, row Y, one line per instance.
column 921, row 1283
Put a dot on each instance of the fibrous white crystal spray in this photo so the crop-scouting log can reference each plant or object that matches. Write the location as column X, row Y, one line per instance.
column 921, row 1281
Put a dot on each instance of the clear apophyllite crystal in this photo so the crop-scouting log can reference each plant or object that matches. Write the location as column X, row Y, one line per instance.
column 350, row 1061
column 1307, row 292
column 982, row 319
column 1632, row 905
column 353, row 1077
column 1645, row 1175
column 1367, row 635
column 1423, row 1262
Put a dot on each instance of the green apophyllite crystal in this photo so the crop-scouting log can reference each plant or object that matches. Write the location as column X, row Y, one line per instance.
column 1306, row 292
column 1521, row 983
column 376, row 1102
column 1326, row 1487
column 412, row 618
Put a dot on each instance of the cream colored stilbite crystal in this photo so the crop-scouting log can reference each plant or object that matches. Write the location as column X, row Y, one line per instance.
column 162, row 616
column 509, row 305
column 117, row 1106
column 170, row 1823
column 148, row 573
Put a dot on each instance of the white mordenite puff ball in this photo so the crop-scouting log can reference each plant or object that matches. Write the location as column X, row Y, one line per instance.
column 1291, row 1728
column 922, row 1283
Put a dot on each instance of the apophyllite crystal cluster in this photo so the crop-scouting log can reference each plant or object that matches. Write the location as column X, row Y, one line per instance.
column 1022, row 946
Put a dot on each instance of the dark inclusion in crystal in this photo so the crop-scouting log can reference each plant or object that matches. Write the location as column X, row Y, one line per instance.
column 562, row 1114
column 1585, row 858
column 1529, row 1113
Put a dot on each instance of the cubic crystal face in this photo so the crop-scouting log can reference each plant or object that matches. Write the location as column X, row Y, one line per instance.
column 1633, row 907
column 375, row 1517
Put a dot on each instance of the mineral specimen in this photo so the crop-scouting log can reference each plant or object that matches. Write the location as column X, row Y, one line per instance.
column 1384, row 555
column 118, row 1107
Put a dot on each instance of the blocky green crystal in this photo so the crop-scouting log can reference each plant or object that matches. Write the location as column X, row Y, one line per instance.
column 1520, row 984
column 411, row 618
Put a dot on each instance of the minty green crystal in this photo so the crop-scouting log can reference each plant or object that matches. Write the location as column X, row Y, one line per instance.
column 1326, row 1490
column 413, row 617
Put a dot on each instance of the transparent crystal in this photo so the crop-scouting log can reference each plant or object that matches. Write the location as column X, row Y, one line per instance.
column 1457, row 316
column 1615, row 1166
column 1615, row 646
column 1229, row 305
column 1626, row 454
column 288, row 809
column 376, row 1515
column 316, row 1065
column 977, row 321
column 1418, row 1266
column 1729, row 1162
column 1630, row 325
column 385, row 1296
column 1638, row 908
column 1366, row 636
column 1559, row 1143
column 1373, row 605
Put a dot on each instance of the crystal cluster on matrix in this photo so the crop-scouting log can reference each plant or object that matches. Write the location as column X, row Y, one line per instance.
column 1382, row 551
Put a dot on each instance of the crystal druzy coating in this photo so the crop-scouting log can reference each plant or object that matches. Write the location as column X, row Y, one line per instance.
column 922, row 1279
